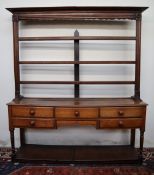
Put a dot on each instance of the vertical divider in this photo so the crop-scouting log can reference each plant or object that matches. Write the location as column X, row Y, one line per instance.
column 76, row 66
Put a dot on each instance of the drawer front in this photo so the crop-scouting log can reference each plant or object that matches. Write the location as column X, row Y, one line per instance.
column 18, row 111
column 33, row 123
column 76, row 112
column 76, row 123
column 122, row 123
column 122, row 112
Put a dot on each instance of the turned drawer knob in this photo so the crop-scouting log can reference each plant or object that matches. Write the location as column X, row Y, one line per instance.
column 32, row 112
column 32, row 123
column 121, row 112
column 76, row 113
column 121, row 123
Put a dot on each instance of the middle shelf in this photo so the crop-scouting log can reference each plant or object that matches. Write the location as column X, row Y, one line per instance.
column 77, row 82
column 77, row 38
column 77, row 62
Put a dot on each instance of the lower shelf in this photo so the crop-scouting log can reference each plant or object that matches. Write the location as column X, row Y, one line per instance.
column 77, row 154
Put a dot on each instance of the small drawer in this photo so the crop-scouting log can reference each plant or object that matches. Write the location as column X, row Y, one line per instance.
column 76, row 112
column 122, row 123
column 24, row 111
column 76, row 123
column 122, row 112
column 33, row 123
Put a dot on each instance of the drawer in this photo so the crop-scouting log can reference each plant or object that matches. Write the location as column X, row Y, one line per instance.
column 122, row 123
column 33, row 123
column 76, row 112
column 76, row 123
column 20, row 111
column 122, row 112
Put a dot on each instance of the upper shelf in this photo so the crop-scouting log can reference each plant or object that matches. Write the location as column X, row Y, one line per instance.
column 77, row 38
column 77, row 13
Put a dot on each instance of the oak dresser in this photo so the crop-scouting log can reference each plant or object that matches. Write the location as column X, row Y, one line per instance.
column 101, row 113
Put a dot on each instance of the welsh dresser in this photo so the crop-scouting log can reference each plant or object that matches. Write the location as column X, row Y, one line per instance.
column 102, row 113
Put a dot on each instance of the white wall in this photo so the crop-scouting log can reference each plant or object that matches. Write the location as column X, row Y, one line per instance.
column 76, row 135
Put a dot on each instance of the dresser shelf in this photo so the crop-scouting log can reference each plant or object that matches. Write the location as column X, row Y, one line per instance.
column 77, row 82
column 76, row 62
column 78, row 154
column 77, row 38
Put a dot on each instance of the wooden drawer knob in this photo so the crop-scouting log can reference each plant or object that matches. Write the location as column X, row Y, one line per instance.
column 32, row 123
column 121, row 123
column 76, row 113
column 121, row 112
column 32, row 112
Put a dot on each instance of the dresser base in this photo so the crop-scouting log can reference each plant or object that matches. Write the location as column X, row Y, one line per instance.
column 78, row 154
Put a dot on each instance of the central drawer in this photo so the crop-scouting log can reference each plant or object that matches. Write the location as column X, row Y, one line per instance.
column 76, row 123
column 76, row 112
column 26, row 111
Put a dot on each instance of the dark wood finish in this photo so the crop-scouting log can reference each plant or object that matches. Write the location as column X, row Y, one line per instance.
column 108, row 153
column 76, row 66
column 77, row 13
column 12, row 143
column 138, row 57
column 141, row 142
column 11, row 130
column 25, row 111
column 79, row 9
column 61, row 123
column 122, row 112
column 22, row 136
column 132, row 138
column 82, row 154
column 33, row 123
column 77, row 82
column 122, row 123
column 16, row 55
column 77, row 38
column 101, row 113
column 76, row 113
column 78, row 102
column 77, row 62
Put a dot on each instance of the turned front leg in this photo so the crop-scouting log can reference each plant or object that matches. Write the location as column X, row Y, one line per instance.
column 141, row 142
column 12, row 142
